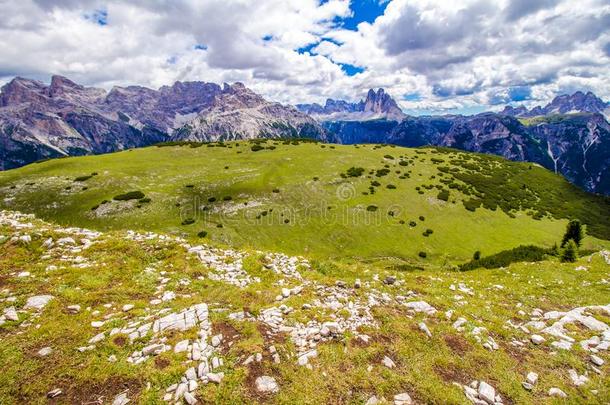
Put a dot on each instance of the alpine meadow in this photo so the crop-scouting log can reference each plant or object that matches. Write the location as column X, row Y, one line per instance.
column 305, row 202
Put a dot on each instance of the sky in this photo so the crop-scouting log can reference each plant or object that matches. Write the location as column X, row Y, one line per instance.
column 432, row 56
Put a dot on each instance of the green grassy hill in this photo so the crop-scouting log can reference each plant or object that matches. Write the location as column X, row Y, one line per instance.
column 297, row 197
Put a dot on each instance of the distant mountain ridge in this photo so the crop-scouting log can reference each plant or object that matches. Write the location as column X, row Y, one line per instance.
column 63, row 118
column 570, row 135
column 378, row 104
column 564, row 104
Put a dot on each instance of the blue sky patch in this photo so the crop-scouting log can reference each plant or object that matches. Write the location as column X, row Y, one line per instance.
column 307, row 48
column 351, row 70
column 412, row 97
column 99, row 17
column 200, row 47
column 364, row 11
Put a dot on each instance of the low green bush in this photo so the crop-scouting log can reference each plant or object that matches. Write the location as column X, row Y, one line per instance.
column 188, row 221
column 529, row 253
column 131, row 195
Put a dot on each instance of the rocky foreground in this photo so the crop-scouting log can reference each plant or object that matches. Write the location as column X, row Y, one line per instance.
column 144, row 318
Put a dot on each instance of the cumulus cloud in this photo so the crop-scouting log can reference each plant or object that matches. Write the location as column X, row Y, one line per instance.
column 428, row 54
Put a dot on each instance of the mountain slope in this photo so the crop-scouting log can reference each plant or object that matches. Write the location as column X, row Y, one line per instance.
column 276, row 196
column 578, row 102
column 39, row 121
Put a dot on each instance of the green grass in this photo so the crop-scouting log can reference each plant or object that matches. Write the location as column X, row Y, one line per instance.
column 426, row 367
column 323, row 218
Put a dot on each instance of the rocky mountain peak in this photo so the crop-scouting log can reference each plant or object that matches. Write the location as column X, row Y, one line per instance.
column 578, row 102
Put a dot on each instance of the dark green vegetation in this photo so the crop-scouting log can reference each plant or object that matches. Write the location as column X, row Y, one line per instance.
column 505, row 258
column 131, row 195
column 469, row 201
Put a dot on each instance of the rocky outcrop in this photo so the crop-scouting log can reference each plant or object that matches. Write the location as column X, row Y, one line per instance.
column 377, row 105
column 578, row 102
column 239, row 113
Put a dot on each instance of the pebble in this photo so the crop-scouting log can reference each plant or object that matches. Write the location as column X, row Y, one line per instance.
column 487, row 393
column 54, row 393
column 598, row 361
column 357, row 283
column 537, row 339
column 556, row 392
column 11, row 314
column 38, row 302
column 73, row 309
column 402, row 399
column 389, row 280
column 531, row 378
column 215, row 377
column 424, row 328
column 121, row 399
column 388, row 362
column 267, row 384
column 189, row 398
column 421, row 306
column 127, row 307
column 45, row 351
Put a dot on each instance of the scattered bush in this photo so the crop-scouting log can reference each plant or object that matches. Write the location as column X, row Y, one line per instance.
column 227, row 198
column 188, row 221
column 144, row 200
column 371, row 208
column 219, row 226
column 355, row 171
column 256, row 148
column 412, row 224
column 83, row 178
column 443, row 195
column 428, row 232
column 276, row 190
column 211, row 199
column 189, row 186
column 202, row 234
column 131, row 195
column 423, row 255
column 382, row 172
column 476, row 255
column 522, row 253
column 422, row 218
column 570, row 253
column 375, row 183
column 391, row 186
column 573, row 232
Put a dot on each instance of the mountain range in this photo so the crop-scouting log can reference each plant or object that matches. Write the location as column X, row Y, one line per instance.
column 570, row 135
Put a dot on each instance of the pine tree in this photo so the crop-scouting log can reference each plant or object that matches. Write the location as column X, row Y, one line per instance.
column 573, row 232
column 570, row 253
column 477, row 255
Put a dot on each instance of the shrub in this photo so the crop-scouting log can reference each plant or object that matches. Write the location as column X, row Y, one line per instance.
column 202, row 234
column 391, row 186
column 403, row 163
column 131, row 195
column 423, row 255
column 276, row 190
column 422, row 218
column 375, row 183
column 83, row 178
column 256, row 148
column 428, row 232
column 189, row 186
column 95, row 207
column 412, row 224
column 211, row 199
column 570, row 253
column 371, row 208
column 227, row 198
column 144, row 200
column 573, row 232
column 522, row 253
column 443, row 195
column 382, row 172
column 219, row 226
column 476, row 255
column 188, row 221
column 355, row 171
column 389, row 157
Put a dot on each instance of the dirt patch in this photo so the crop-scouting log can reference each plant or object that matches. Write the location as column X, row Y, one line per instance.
column 452, row 373
column 256, row 370
column 120, row 341
column 458, row 344
column 229, row 334
column 269, row 336
column 96, row 392
column 161, row 362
